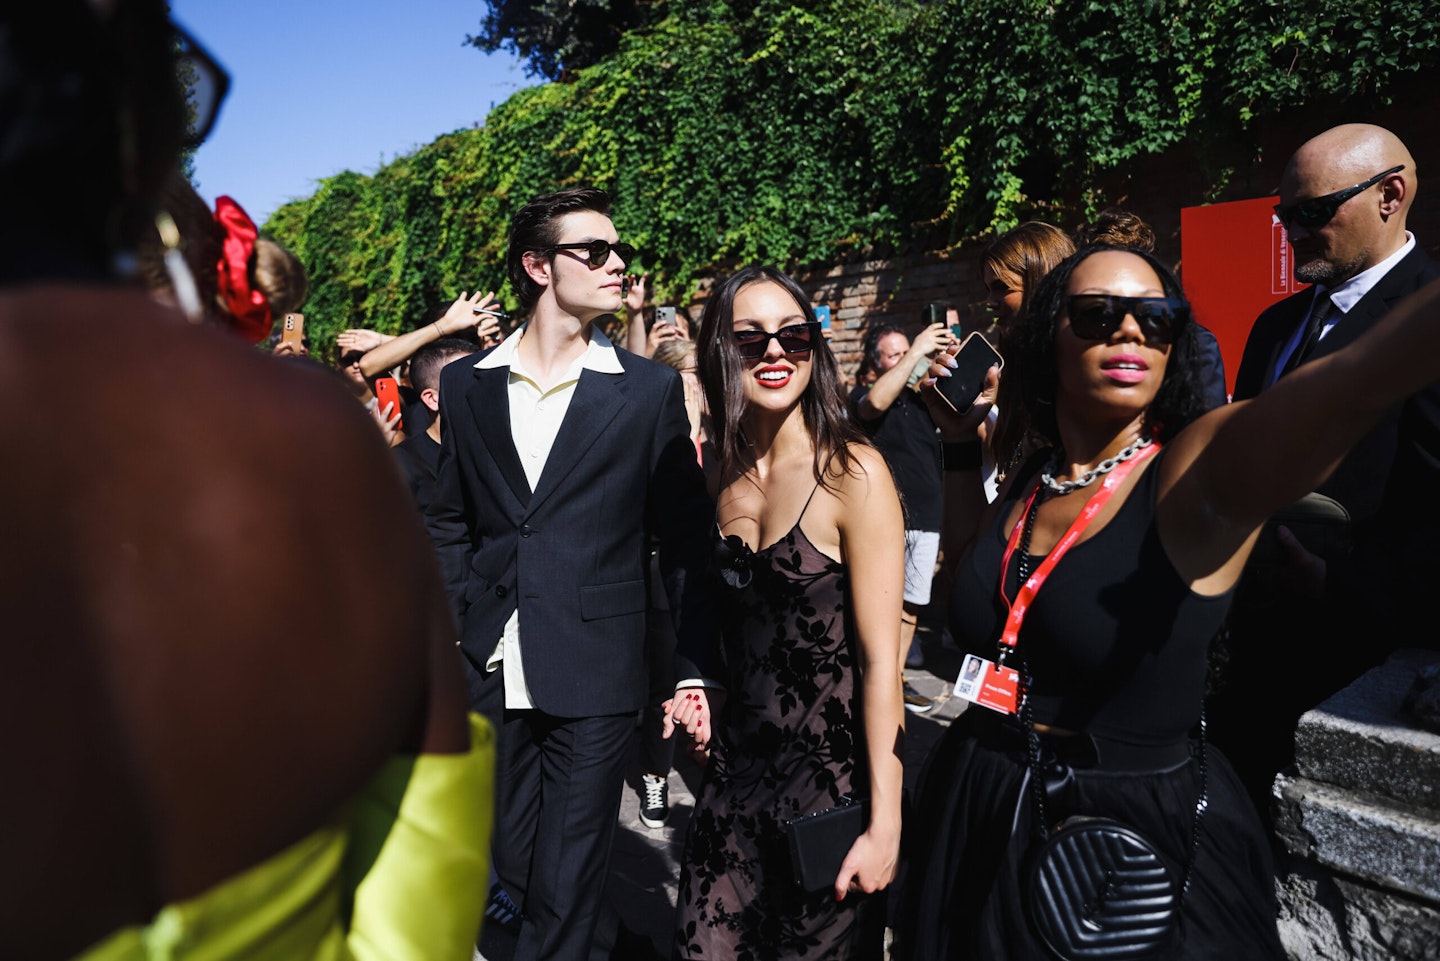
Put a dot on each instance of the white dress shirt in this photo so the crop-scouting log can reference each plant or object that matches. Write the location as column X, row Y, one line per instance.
column 535, row 418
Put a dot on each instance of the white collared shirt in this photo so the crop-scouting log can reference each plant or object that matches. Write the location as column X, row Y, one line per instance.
column 1343, row 297
column 535, row 419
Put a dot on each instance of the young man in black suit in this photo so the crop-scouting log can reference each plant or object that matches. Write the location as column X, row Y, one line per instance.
column 1344, row 198
column 547, row 441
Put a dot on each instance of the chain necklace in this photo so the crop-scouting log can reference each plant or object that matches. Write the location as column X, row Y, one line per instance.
column 1022, row 563
column 1086, row 479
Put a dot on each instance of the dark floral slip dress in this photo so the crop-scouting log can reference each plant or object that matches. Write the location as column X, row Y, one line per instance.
column 789, row 742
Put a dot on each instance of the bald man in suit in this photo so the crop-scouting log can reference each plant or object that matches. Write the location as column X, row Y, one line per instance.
column 1344, row 200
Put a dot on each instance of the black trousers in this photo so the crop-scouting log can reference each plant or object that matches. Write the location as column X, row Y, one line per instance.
column 558, row 782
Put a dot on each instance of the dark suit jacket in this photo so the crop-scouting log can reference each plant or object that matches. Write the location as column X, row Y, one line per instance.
column 1387, row 481
column 572, row 554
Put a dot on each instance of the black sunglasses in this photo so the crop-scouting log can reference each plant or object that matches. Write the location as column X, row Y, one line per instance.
column 597, row 252
column 795, row 339
column 1097, row 316
column 1317, row 211
column 204, row 82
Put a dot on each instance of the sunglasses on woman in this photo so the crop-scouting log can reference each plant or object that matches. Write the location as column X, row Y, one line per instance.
column 795, row 339
column 597, row 252
column 1098, row 316
column 1317, row 211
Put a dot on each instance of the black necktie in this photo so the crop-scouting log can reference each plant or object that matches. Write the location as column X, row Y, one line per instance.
column 1313, row 326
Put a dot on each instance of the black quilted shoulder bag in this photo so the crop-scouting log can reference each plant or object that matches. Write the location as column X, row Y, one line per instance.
column 1098, row 890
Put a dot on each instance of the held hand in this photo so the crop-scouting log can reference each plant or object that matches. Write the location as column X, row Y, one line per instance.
column 359, row 339
column 870, row 866
column 288, row 349
column 1304, row 572
column 691, row 708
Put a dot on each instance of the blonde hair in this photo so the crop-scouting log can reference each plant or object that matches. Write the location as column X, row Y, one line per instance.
column 676, row 353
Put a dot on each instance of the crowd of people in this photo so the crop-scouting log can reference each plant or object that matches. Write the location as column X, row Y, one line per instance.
column 256, row 740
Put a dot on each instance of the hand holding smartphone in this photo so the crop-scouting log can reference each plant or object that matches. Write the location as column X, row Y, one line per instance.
column 664, row 315
column 967, row 377
column 292, row 331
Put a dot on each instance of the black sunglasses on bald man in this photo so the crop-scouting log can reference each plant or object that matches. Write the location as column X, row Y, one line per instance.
column 1097, row 316
column 1317, row 211
column 597, row 252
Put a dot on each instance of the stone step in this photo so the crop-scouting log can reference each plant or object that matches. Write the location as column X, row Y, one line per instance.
column 1388, row 844
column 1359, row 739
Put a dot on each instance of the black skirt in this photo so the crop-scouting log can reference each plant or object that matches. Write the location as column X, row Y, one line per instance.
column 966, row 850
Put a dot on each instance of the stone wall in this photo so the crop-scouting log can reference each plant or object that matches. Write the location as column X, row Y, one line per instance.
column 1359, row 820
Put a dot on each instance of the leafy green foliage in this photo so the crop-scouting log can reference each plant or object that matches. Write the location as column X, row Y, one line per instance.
column 805, row 134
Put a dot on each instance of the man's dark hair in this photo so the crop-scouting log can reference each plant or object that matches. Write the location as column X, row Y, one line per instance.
column 536, row 226
column 429, row 360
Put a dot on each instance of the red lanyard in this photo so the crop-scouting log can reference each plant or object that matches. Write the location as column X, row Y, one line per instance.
column 1010, row 636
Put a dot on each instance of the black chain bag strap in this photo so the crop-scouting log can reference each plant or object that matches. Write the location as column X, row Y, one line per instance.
column 1097, row 889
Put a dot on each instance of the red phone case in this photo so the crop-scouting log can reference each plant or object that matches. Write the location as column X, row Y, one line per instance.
column 387, row 392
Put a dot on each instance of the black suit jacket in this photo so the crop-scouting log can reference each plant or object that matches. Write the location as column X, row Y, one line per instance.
column 572, row 554
column 1362, row 477
column 1388, row 479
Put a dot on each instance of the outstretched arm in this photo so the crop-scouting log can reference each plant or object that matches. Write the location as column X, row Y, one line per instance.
column 1229, row 471
column 466, row 312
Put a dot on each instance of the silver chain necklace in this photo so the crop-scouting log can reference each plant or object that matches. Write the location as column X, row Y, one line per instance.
column 1087, row 478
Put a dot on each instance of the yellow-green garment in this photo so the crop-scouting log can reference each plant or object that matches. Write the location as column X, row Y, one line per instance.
column 400, row 875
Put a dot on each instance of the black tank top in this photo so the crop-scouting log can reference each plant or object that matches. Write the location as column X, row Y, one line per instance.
column 1115, row 640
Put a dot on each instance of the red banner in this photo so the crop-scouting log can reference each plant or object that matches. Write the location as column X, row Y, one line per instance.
column 1234, row 262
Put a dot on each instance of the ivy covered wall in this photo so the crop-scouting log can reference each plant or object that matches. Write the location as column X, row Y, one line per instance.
column 809, row 135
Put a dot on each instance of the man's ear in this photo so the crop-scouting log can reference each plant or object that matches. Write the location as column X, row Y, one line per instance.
column 431, row 398
column 538, row 265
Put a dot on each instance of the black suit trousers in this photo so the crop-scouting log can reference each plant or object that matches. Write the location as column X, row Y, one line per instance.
column 558, row 782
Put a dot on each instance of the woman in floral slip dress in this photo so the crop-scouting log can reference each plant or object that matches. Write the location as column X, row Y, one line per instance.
column 809, row 571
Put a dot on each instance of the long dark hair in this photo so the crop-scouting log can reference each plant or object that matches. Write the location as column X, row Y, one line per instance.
column 1030, row 365
column 722, row 372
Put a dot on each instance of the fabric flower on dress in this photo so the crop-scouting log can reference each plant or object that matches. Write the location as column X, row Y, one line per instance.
column 732, row 557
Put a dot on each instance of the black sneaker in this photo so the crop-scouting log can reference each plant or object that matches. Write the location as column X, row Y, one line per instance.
column 654, row 801
column 502, row 910
column 915, row 702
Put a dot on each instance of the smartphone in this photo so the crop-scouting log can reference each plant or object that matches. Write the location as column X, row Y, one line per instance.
column 664, row 315
column 822, row 314
column 387, row 392
column 934, row 314
column 967, row 377
column 292, row 330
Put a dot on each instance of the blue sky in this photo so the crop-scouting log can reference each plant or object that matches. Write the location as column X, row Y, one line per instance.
column 320, row 86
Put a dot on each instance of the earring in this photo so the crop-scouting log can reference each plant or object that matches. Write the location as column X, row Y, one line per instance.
column 182, row 281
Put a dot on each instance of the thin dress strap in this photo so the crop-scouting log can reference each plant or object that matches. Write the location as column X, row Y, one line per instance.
column 807, row 505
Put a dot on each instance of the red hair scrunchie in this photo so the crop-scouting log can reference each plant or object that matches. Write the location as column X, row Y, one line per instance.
column 247, row 306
